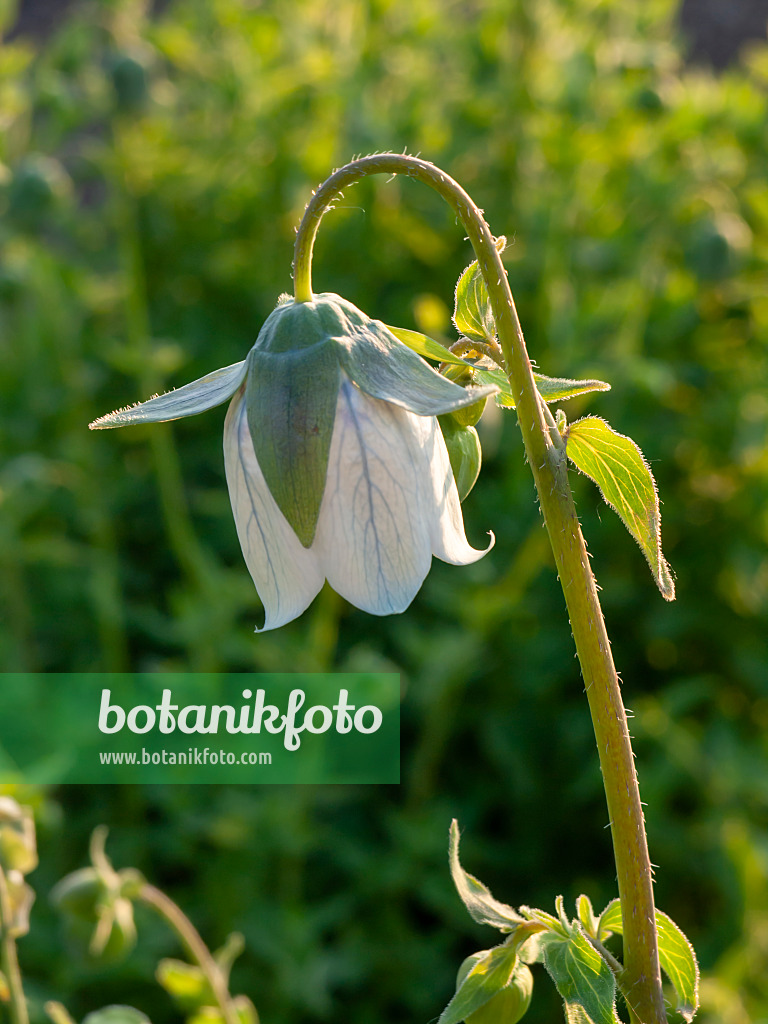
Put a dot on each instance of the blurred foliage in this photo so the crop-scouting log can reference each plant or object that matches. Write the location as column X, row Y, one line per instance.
column 152, row 169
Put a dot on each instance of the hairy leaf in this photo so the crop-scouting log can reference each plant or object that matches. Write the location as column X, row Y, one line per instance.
column 617, row 466
column 583, row 979
column 676, row 956
column 551, row 389
column 476, row 897
column 490, row 975
column 472, row 312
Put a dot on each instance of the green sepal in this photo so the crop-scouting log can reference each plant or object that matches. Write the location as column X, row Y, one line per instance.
column 477, row 898
column 199, row 396
column 676, row 955
column 291, row 406
column 464, row 452
column 616, row 465
column 384, row 368
column 490, row 974
column 293, row 326
column 583, row 979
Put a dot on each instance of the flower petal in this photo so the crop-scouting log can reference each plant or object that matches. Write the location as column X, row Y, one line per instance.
column 373, row 534
column 287, row 575
column 385, row 368
column 449, row 542
column 199, row 396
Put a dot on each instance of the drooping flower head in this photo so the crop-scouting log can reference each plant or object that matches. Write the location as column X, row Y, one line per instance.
column 336, row 466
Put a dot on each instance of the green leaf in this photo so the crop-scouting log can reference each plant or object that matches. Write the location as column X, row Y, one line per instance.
column 583, row 979
column 676, row 956
column 551, row 389
column 381, row 366
column 476, row 897
column 587, row 915
column 244, row 1009
column 617, row 466
column 291, row 404
column 548, row 921
column 472, row 313
column 185, row 983
column 490, row 975
column 116, row 1015
column 199, row 396
column 427, row 347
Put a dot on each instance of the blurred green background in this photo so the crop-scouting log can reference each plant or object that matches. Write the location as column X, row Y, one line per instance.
column 152, row 170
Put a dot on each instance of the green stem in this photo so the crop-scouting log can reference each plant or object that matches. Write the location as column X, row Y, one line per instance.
column 8, row 958
column 194, row 945
column 641, row 977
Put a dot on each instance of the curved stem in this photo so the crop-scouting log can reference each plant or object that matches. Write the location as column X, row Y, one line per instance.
column 8, row 958
column 641, row 978
column 194, row 945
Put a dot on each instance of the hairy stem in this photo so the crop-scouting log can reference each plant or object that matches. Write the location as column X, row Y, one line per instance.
column 8, row 958
column 194, row 945
column 641, row 978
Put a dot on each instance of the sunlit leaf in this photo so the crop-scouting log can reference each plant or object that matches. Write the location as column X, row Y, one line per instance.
column 472, row 313
column 676, row 956
column 185, row 982
column 427, row 347
column 583, row 979
column 617, row 466
column 476, row 897
column 490, row 975
column 587, row 915
column 551, row 389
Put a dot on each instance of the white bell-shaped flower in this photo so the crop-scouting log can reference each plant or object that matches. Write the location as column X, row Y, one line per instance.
column 336, row 465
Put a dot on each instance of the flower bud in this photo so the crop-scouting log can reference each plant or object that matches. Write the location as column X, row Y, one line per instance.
column 470, row 414
column 464, row 453
column 20, row 898
column 97, row 902
column 18, row 847
column 38, row 186
column 509, row 1004
column 115, row 933
column 129, row 81
column 79, row 894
